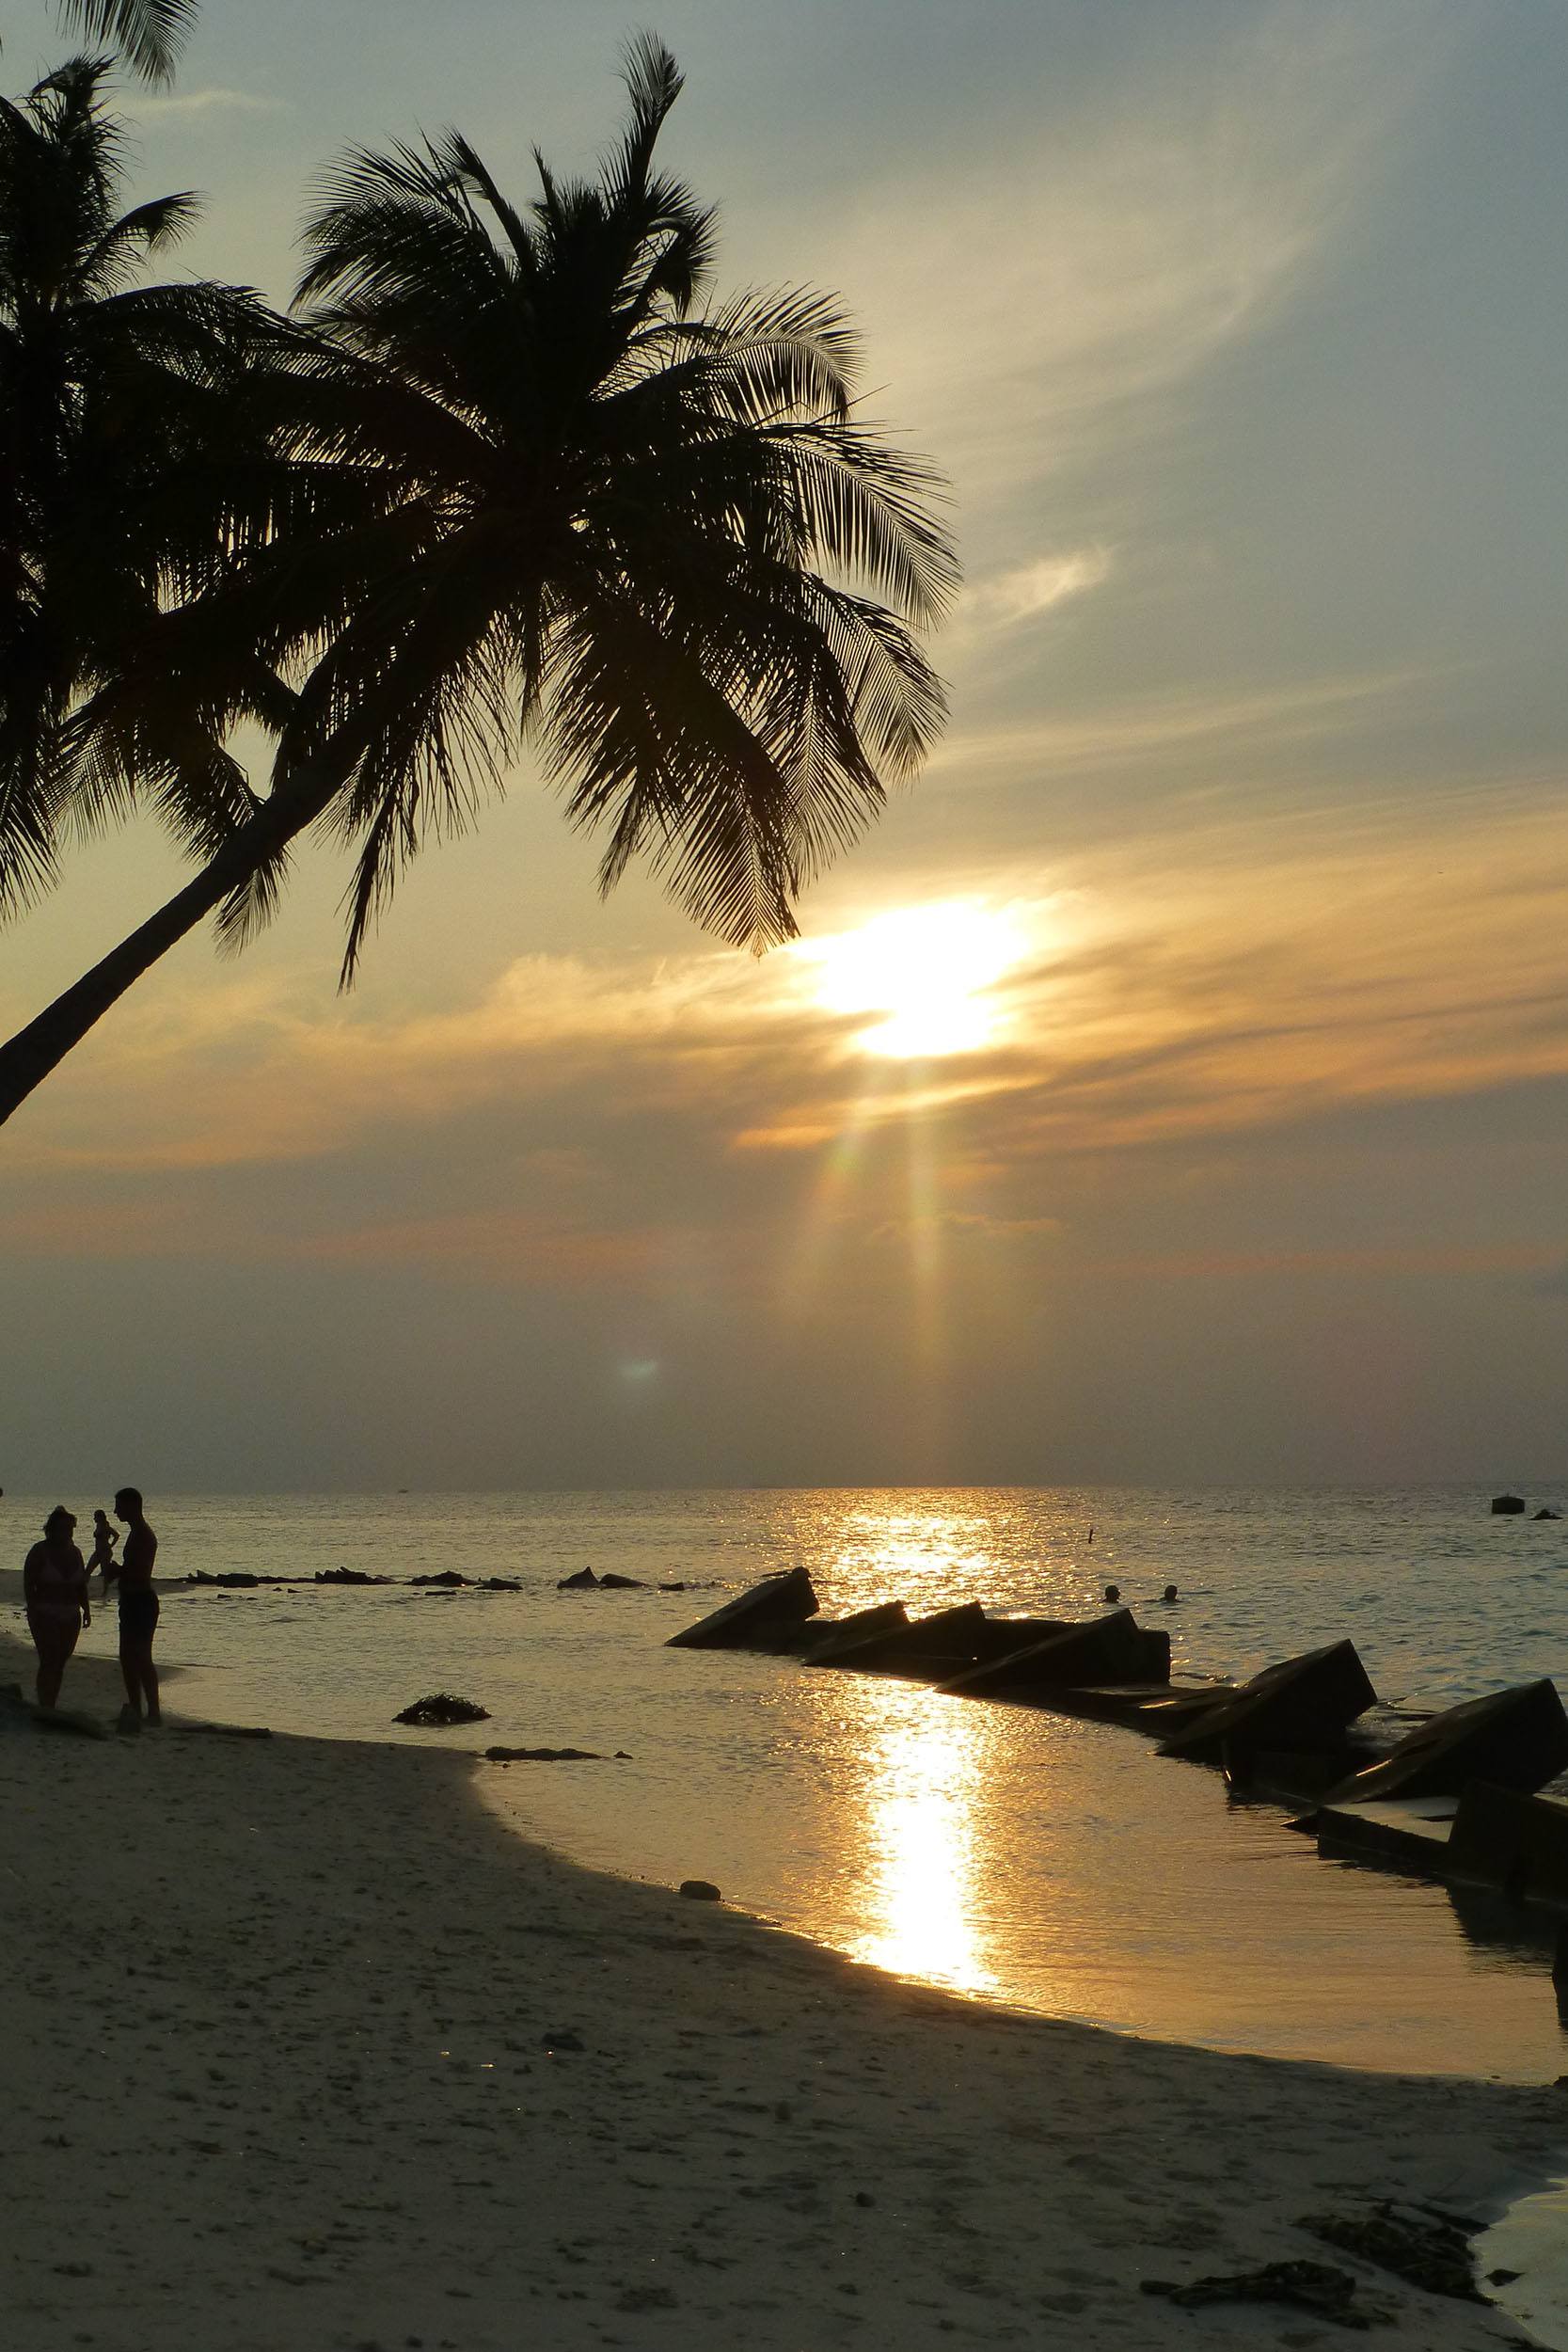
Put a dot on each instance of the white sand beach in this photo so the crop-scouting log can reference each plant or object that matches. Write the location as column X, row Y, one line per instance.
column 303, row 2048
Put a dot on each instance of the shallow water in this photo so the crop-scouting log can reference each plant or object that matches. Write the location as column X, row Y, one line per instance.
column 1050, row 1863
column 1531, row 2242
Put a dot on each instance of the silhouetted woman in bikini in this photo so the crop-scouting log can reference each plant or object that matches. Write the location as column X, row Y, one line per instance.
column 54, row 1588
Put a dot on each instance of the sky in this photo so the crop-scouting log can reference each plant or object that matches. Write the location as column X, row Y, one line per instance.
column 1173, row 1088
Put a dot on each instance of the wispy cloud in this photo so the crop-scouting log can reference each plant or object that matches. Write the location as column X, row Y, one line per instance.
column 1112, row 258
column 212, row 101
column 1134, row 728
column 1027, row 591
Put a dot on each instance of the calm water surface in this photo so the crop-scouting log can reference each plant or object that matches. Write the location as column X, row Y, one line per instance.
column 1021, row 1857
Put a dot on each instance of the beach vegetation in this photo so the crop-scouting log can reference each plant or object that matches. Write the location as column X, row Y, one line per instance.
column 559, row 494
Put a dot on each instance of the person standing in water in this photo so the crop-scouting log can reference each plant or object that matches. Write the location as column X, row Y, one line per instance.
column 139, row 1612
column 104, row 1538
column 54, row 1588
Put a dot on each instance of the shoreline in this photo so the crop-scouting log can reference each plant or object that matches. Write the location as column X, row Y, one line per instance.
column 308, row 2046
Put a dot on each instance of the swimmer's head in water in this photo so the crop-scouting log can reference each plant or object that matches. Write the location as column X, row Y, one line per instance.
column 1112, row 1592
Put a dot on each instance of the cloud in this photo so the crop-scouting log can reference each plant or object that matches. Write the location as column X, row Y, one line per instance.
column 648, row 1127
column 211, row 100
column 1031, row 588
column 1109, row 258
column 1140, row 728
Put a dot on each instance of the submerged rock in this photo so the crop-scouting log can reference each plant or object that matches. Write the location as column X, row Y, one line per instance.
column 584, row 1581
column 622, row 1584
column 699, row 1891
column 442, row 1706
column 447, row 1577
column 1507, row 1506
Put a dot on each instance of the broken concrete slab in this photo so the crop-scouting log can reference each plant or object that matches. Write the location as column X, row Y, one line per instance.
column 1515, row 1739
column 776, row 1602
column 1518, row 1843
column 1114, row 1648
column 1411, row 1837
column 928, row 1650
column 1301, row 1703
column 817, row 1633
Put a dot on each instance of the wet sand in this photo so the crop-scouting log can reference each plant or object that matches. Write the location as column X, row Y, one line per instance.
column 304, row 2048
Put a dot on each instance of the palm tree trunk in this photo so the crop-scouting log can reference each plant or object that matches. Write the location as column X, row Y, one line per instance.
column 28, row 1058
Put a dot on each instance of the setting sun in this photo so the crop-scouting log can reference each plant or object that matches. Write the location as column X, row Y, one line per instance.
column 928, row 972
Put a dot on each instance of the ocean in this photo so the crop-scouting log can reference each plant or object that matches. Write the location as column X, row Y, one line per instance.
column 1052, row 1865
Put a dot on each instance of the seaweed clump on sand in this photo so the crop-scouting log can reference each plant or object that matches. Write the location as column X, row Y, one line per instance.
column 441, row 1706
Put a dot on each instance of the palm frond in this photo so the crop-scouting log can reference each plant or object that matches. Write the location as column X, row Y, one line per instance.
column 150, row 34
column 466, row 167
column 868, row 511
column 388, row 223
column 654, row 82
column 144, row 230
column 33, row 785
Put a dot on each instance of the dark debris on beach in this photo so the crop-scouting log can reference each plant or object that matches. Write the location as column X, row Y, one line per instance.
column 1310, row 2286
column 443, row 1707
column 1420, row 2245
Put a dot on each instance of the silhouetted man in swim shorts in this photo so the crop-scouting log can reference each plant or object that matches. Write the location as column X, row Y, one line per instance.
column 138, row 1610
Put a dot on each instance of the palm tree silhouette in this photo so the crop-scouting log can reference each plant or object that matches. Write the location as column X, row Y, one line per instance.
column 125, row 473
column 582, row 510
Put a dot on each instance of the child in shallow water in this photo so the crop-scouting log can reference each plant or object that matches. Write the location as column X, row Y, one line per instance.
column 104, row 1538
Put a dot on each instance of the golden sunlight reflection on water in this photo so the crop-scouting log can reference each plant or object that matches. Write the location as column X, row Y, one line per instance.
column 933, row 1558
column 1003, row 1851
column 923, row 1765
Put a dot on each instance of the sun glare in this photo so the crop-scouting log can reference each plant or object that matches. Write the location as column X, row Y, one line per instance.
column 930, row 972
